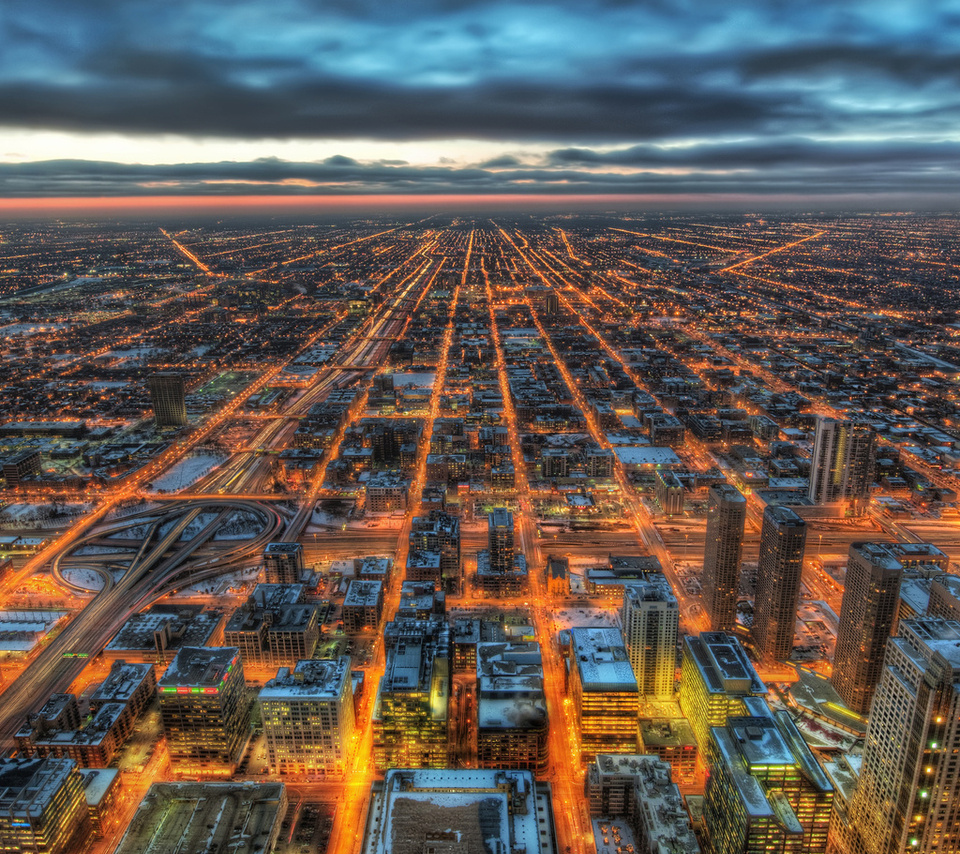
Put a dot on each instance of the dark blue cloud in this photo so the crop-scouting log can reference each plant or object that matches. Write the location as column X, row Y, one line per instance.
column 775, row 89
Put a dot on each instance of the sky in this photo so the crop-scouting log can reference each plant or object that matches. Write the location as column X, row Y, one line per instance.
column 819, row 103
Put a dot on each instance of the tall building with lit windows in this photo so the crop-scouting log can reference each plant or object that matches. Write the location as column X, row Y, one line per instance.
column 766, row 792
column 843, row 460
column 42, row 805
column 412, row 705
column 782, row 540
column 168, row 398
column 204, row 709
column 716, row 679
column 726, row 515
column 650, row 618
column 871, row 592
column 308, row 719
column 907, row 797
column 604, row 692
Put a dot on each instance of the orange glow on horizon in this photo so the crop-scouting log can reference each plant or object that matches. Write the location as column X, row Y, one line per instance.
column 120, row 204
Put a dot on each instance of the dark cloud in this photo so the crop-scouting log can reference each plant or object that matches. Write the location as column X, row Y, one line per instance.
column 336, row 176
column 760, row 86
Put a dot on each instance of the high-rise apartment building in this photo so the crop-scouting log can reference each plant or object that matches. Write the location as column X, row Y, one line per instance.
column 500, row 540
column 766, row 793
column 843, row 460
column 283, row 563
column 308, row 718
column 650, row 617
column 205, row 713
column 779, row 568
column 501, row 570
column 867, row 616
column 908, row 794
column 168, row 398
column 726, row 515
column 604, row 692
column 440, row 532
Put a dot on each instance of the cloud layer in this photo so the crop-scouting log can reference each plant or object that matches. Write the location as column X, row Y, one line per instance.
column 621, row 97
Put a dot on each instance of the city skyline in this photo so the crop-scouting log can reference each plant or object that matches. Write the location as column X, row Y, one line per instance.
column 305, row 105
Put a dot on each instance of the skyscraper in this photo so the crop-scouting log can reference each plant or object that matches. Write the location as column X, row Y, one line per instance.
column 778, row 582
column 908, row 794
column 650, row 617
column 726, row 514
column 168, row 398
column 867, row 615
column 500, row 540
column 843, row 458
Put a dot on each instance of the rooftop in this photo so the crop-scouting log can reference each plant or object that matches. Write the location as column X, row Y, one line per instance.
column 602, row 660
column 204, row 667
column 310, row 679
column 242, row 818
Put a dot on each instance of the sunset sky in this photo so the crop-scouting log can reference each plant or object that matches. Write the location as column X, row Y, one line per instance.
column 812, row 102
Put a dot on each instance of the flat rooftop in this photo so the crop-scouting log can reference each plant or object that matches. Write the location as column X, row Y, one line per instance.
column 242, row 818
column 320, row 679
column 473, row 811
column 204, row 667
column 723, row 664
column 602, row 660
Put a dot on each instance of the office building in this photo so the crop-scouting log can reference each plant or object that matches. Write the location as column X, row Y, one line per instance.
column 639, row 788
column 604, row 692
column 205, row 711
column 907, row 797
column 274, row 627
column 42, row 805
column 650, row 617
column 283, row 563
column 716, row 678
column 412, row 704
column 726, row 515
column 843, row 462
column 766, row 792
column 440, row 532
column 501, row 570
column 168, row 398
column 500, row 540
column 867, row 616
column 179, row 817
column 362, row 606
column 779, row 568
column 156, row 635
column 473, row 811
column 308, row 718
column 511, row 707
column 672, row 740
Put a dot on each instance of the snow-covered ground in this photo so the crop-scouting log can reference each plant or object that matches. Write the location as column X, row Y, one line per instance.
column 86, row 578
column 568, row 618
column 188, row 471
column 97, row 550
column 44, row 515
